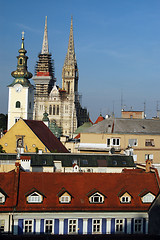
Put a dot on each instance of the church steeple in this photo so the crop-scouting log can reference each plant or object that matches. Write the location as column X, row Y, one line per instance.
column 45, row 48
column 44, row 72
column 22, row 75
column 70, row 69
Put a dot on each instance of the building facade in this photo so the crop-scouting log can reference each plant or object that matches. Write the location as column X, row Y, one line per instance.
column 86, row 207
column 21, row 91
column 62, row 104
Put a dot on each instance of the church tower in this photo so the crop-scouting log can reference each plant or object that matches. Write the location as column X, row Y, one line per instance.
column 44, row 73
column 21, row 91
column 70, row 69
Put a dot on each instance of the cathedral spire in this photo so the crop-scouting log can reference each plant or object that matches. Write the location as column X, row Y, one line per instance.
column 45, row 49
column 70, row 57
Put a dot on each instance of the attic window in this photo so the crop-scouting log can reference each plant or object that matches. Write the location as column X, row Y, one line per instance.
column 35, row 198
column 125, row 198
column 149, row 143
column 96, row 198
column 65, row 199
column 2, row 198
column 148, row 198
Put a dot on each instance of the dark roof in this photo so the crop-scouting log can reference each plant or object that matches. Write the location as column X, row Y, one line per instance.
column 78, row 185
column 127, row 126
column 46, row 136
column 83, row 160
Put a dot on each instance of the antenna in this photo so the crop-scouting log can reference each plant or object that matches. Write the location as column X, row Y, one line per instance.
column 158, row 110
column 121, row 101
column 144, row 109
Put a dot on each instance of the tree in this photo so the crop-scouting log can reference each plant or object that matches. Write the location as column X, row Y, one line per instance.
column 3, row 121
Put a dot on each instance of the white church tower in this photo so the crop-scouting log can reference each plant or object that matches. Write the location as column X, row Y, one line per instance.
column 21, row 91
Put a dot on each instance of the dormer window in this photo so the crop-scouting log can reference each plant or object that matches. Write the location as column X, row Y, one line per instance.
column 64, row 199
column 148, row 198
column 35, row 198
column 2, row 198
column 125, row 197
column 96, row 198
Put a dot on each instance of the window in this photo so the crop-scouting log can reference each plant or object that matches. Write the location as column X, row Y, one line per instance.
column 48, row 226
column 2, row 198
column 66, row 108
column 125, row 199
column 16, row 119
column 30, row 105
column 148, row 198
column 138, row 225
column 96, row 198
column 65, row 199
column 96, row 226
column 149, row 143
column 28, row 226
column 119, row 225
column 72, row 226
column 57, row 109
column 50, row 109
column 113, row 142
column 20, row 61
column 148, row 156
column 34, row 198
column 18, row 104
column 54, row 110
column 2, row 223
column 20, row 142
column 132, row 142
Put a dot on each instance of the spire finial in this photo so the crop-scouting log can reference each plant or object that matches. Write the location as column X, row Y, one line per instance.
column 23, row 35
column 45, row 49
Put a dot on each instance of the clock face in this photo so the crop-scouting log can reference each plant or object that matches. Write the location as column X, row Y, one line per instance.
column 18, row 88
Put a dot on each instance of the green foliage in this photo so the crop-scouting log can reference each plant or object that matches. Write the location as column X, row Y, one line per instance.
column 3, row 121
column 36, row 149
column 1, row 149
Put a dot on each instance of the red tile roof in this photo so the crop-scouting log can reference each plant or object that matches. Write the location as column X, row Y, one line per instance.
column 99, row 119
column 46, row 136
column 79, row 185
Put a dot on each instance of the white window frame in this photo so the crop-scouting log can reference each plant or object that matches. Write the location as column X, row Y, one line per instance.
column 125, row 199
column 138, row 225
column 97, row 196
column 72, row 226
column 29, row 224
column 97, row 226
column 148, row 198
column 135, row 142
column 34, row 199
column 119, row 225
column 49, row 223
column 65, row 199
column 148, row 156
column 111, row 140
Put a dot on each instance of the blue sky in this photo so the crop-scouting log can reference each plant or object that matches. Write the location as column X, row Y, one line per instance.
column 117, row 46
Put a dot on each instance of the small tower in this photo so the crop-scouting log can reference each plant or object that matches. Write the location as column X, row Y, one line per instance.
column 21, row 92
column 70, row 69
column 44, row 73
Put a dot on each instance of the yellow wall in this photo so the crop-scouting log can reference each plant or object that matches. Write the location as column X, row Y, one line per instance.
column 9, row 140
column 140, row 150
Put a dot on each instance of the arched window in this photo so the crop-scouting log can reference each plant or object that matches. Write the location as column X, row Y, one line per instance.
column 68, row 90
column 20, row 142
column 57, row 109
column 20, row 61
column 50, row 109
column 18, row 104
column 54, row 111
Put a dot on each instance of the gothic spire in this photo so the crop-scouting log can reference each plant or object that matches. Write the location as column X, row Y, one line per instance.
column 45, row 49
column 71, row 56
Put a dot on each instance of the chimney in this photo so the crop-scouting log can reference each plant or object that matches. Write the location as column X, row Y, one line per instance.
column 17, row 166
column 148, row 165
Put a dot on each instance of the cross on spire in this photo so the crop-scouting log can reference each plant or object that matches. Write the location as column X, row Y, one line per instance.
column 45, row 49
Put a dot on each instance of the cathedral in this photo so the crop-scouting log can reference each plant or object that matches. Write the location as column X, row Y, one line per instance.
column 59, row 108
